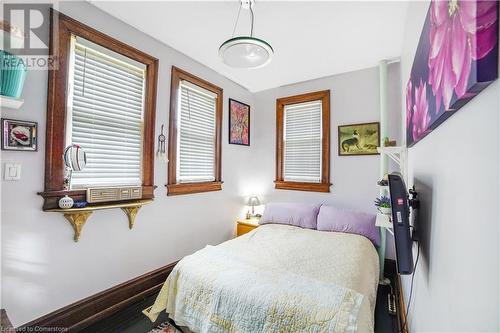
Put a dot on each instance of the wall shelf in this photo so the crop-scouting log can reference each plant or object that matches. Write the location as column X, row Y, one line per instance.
column 399, row 156
column 78, row 216
column 10, row 102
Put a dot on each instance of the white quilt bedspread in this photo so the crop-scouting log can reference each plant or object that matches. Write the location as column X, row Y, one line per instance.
column 276, row 278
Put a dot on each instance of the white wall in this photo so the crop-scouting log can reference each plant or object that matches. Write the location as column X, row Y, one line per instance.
column 456, row 171
column 354, row 98
column 42, row 268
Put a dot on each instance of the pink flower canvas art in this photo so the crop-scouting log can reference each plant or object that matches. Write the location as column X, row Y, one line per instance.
column 456, row 58
column 420, row 111
column 239, row 123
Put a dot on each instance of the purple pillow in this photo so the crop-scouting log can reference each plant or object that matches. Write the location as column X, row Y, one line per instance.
column 297, row 214
column 341, row 220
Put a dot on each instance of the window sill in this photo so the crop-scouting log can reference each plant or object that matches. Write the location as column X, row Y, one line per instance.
column 190, row 188
column 302, row 186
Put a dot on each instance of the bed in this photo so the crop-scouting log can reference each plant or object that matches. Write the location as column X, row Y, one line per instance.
column 277, row 278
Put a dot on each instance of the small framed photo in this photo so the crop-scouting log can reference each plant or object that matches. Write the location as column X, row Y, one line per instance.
column 19, row 135
column 239, row 123
column 359, row 139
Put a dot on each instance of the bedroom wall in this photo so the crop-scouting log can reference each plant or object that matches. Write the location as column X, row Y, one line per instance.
column 354, row 98
column 456, row 171
column 42, row 268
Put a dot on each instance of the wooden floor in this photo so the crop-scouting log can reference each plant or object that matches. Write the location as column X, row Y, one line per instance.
column 131, row 320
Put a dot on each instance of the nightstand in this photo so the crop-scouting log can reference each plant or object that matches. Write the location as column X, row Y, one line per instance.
column 243, row 226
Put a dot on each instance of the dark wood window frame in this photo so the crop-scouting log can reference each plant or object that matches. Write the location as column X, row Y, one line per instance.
column 62, row 27
column 173, row 187
column 280, row 183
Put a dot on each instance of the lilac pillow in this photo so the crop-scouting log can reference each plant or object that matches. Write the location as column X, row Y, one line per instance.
column 337, row 219
column 297, row 214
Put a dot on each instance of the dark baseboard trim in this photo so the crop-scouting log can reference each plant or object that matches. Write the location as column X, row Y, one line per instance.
column 77, row 316
column 5, row 324
column 401, row 305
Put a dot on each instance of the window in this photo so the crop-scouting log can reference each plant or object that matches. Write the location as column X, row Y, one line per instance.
column 303, row 142
column 196, row 134
column 105, row 112
column 102, row 97
column 194, row 148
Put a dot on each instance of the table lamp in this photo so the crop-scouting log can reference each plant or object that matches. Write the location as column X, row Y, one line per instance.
column 75, row 159
column 253, row 201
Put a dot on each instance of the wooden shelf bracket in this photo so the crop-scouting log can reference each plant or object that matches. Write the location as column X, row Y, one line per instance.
column 77, row 221
column 78, row 216
column 131, row 213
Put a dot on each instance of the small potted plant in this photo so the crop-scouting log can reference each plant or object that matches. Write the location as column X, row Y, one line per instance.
column 383, row 204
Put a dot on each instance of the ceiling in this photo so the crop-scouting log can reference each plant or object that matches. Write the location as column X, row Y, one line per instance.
column 310, row 39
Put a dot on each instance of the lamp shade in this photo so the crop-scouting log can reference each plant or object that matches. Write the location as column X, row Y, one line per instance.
column 75, row 157
column 246, row 52
column 253, row 201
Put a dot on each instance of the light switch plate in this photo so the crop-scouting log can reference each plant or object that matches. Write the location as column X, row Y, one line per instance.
column 12, row 171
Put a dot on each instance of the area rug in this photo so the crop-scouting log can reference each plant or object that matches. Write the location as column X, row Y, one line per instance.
column 165, row 327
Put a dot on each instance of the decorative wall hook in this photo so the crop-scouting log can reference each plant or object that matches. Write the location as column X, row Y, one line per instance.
column 160, row 152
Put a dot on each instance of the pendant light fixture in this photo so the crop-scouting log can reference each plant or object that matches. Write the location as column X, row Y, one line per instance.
column 245, row 51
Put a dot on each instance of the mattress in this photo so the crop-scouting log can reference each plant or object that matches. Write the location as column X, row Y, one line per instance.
column 322, row 266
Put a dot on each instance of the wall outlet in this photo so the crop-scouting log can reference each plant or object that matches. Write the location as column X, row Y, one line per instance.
column 12, row 171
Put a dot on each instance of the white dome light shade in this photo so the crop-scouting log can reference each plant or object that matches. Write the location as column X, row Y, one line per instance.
column 246, row 52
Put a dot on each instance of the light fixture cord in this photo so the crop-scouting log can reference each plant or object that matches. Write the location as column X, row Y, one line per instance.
column 237, row 18
column 251, row 29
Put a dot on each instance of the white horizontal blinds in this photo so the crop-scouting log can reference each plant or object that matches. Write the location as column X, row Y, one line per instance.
column 106, row 106
column 196, row 134
column 302, row 141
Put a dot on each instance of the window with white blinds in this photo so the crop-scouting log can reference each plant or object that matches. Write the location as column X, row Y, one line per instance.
column 196, row 134
column 302, row 142
column 105, row 114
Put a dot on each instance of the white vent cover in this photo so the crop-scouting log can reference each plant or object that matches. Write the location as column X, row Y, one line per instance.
column 106, row 194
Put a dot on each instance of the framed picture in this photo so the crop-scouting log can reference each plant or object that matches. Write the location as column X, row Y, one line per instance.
column 19, row 135
column 359, row 139
column 456, row 58
column 239, row 123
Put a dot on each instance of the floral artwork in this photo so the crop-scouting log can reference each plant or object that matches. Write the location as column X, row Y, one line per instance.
column 456, row 58
column 239, row 123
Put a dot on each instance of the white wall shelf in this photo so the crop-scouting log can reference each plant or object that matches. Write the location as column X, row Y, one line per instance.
column 384, row 221
column 10, row 102
column 399, row 156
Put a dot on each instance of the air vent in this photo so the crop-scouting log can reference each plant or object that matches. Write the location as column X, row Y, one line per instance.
column 107, row 194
